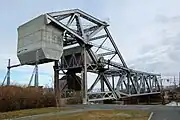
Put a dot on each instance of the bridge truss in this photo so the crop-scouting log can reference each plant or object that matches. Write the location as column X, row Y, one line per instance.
column 100, row 55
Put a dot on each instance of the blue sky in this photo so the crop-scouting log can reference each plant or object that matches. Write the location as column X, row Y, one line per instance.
column 146, row 32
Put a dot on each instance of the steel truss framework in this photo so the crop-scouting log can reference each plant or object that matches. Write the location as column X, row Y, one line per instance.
column 8, row 75
column 34, row 73
column 98, row 47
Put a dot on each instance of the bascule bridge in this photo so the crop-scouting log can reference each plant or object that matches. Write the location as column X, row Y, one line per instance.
column 79, row 44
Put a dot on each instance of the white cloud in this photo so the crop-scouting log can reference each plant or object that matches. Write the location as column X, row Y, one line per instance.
column 146, row 32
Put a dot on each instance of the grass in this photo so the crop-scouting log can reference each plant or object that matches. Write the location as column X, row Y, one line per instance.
column 28, row 112
column 103, row 115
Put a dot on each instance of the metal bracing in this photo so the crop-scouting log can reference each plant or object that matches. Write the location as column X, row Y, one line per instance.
column 8, row 74
column 102, row 57
column 35, row 76
column 34, row 73
column 99, row 96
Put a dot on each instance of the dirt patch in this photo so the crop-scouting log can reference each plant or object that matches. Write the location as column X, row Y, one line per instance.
column 123, row 115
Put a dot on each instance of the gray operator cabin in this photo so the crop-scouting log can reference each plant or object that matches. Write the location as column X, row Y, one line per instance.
column 39, row 41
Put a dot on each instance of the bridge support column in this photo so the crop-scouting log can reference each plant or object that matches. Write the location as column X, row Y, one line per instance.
column 56, row 84
column 102, row 85
column 113, row 82
column 36, row 81
column 84, row 78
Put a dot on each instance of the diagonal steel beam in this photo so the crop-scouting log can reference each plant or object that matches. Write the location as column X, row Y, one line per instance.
column 79, row 25
column 82, row 14
column 95, row 32
column 93, row 28
column 98, row 37
column 71, row 19
column 106, row 53
column 102, row 47
column 61, row 13
column 157, row 84
column 95, row 82
column 4, row 79
column 116, row 48
column 140, row 85
column 32, row 77
column 91, row 18
column 80, row 39
column 132, row 81
column 109, row 85
column 120, row 82
column 62, row 17
column 147, row 83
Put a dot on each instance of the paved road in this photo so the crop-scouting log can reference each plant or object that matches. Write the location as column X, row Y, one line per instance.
column 159, row 112
column 166, row 113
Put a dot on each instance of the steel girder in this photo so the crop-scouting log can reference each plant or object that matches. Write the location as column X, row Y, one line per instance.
column 92, row 34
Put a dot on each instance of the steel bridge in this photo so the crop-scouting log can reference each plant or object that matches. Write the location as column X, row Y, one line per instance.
column 88, row 47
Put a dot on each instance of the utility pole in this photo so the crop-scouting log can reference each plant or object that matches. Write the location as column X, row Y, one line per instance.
column 8, row 73
column 179, row 79
column 174, row 82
